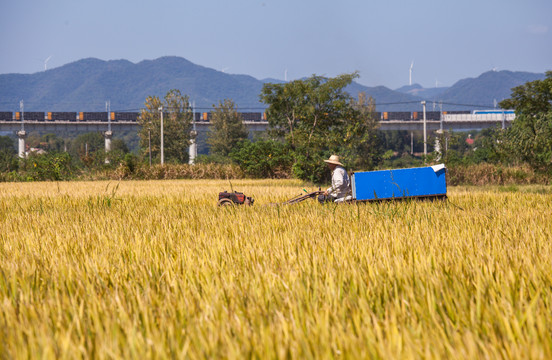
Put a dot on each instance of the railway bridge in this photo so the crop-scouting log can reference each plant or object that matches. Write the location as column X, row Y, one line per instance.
column 42, row 124
column 454, row 124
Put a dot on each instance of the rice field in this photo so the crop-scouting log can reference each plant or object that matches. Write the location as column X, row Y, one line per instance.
column 154, row 269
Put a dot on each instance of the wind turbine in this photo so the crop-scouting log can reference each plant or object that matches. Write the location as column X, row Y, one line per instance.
column 410, row 78
column 46, row 62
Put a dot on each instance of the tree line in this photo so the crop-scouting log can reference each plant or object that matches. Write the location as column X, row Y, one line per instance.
column 310, row 119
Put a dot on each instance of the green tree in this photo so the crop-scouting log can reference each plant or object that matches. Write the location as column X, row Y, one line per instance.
column 532, row 98
column 303, row 111
column 177, row 119
column 487, row 146
column 401, row 141
column 529, row 139
column 7, row 144
column 48, row 142
column 88, row 149
column 8, row 154
column 227, row 129
column 316, row 117
column 119, row 146
column 52, row 142
column 263, row 158
column 362, row 143
column 50, row 166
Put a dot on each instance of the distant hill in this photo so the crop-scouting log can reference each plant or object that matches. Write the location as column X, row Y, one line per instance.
column 386, row 99
column 484, row 90
column 86, row 85
column 487, row 87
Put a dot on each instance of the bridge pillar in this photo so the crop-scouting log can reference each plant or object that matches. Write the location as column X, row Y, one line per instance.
column 438, row 149
column 22, row 134
column 107, row 135
column 193, row 147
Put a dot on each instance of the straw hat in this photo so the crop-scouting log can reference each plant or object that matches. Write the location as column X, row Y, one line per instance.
column 334, row 159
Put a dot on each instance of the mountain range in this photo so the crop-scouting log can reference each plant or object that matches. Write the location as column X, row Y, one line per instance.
column 86, row 85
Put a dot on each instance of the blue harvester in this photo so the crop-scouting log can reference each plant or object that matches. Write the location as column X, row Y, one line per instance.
column 423, row 182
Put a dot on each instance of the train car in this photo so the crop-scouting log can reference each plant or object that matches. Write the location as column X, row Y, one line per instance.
column 400, row 115
column 6, row 116
column 252, row 116
column 30, row 116
column 495, row 111
column 432, row 115
column 459, row 112
column 61, row 116
column 93, row 116
column 125, row 116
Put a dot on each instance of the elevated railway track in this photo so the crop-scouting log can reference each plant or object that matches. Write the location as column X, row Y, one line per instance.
column 254, row 122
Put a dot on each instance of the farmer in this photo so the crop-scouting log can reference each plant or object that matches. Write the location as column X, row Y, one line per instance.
column 340, row 181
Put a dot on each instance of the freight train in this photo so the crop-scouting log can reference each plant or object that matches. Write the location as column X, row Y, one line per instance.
column 103, row 116
column 206, row 116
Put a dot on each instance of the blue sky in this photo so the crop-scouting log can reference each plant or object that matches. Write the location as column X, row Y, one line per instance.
column 447, row 40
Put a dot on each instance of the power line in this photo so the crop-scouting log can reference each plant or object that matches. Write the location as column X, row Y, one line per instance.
column 239, row 108
column 395, row 103
column 468, row 105
column 436, row 102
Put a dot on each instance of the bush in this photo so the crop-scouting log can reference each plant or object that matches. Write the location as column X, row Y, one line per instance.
column 312, row 168
column 263, row 159
column 127, row 166
column 212, row 159
column 51, row 166
column 490, row 174
column 404, row 161
column 8, row 161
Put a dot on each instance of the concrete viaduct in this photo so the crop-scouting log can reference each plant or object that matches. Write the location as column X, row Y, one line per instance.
column 253, row 126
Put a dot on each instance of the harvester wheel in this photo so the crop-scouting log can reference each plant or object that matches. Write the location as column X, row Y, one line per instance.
column 225, row 202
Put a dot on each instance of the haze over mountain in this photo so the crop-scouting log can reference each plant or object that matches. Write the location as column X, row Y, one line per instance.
column 419, row 91
column 86, row 85
column 487, row 87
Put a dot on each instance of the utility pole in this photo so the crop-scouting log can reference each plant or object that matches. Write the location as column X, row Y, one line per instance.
column 108, row 110
column 162, row 139
column 149, row 145
column 21, row 134
column 425, row 131
column 193, row 135
column 441, row 134
column 441, row 117
column 108, row 134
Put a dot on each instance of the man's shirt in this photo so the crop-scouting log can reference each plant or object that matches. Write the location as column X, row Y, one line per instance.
column 340, row 183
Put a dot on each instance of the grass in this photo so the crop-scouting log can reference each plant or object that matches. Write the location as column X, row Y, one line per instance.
column 154, row 269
